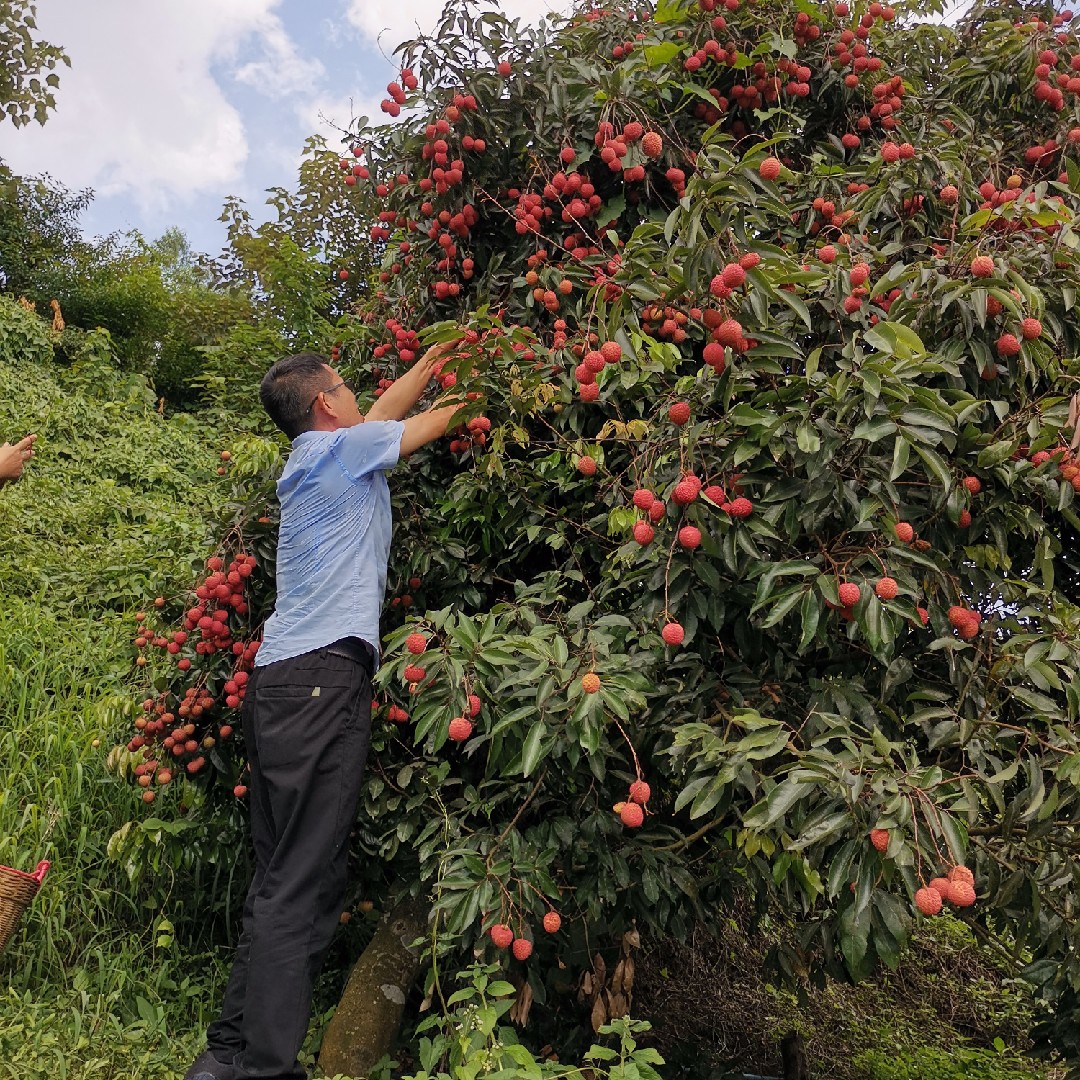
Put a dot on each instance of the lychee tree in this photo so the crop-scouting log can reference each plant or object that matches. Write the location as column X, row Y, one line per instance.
column 752, row 567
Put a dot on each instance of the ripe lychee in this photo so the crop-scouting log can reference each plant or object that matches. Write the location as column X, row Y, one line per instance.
column 973, row 484
column 416, row 644
column 880, row 839
column 460, row 729
column 1030, row 329
column 1007, row 345
column 673, row 633
column 522, row 948
column 928, row 901
column 640, row 792
column 904, row 532
column 686, row 490
column 982, row 266
column 961, row 893
column 679, row 413
column 643, row 498
column 644, row 533
column 552, row 922
column 611, row 351
column 632, row 815
column 653, row 144
column 586, row 465
column 501, row 935
column 949, row 194
column 886, row 589
column 690, row 537
column 961, row 873
column 590, row 682
column 769, row 169
column 849, row 594
column 740, row 507
column 941, row 885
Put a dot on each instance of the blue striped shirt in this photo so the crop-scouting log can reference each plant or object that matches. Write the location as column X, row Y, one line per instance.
column 334, row 540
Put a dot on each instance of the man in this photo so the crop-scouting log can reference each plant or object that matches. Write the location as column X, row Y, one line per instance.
column 307, row 712
column 14, row 458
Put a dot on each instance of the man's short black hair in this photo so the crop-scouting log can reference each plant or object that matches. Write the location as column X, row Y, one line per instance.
column 288, row 387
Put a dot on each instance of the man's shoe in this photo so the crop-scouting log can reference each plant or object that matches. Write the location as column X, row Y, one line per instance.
column 207, row 1067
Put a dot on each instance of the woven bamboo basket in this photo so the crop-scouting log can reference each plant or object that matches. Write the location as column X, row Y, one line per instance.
column 17, row 889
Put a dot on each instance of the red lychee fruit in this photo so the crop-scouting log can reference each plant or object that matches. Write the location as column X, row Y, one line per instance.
column 928, row 901
column 849, row 594
column 552, row 922
column 460, row 729
column 590, row 682
column 886, row 589
column 949, row 194
column 973, row 484
column 733, row 276
column 643, row 498
column 632, row 815
column 416, row 644
column 611, row 351
column 961, row 873
column 644, row 533
column 653, row 144
column 640, row 792
column 1030, row 329
column 679, row 413
column 1007, row 345
column 904, row 532
column 880, row 839
column 890, row 152
column 982, row 266
column 961, row 893
column 504, row 68
column 673, row 633
column 586, row 465
column 769, row 169
column 740, row 507
column 964, row 519
column 690, row 537
column 522, row 948
column 686, row 490
column 941, row 885
column 501, row 935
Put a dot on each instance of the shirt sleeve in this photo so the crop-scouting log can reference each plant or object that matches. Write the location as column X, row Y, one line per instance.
column 373, row 446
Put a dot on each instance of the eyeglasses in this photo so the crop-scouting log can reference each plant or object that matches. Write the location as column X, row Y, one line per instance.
column 347, row 383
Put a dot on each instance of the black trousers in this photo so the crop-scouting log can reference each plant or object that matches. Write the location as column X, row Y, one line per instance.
column 307, row 728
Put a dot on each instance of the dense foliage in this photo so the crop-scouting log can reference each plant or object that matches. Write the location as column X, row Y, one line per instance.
column 764, row 500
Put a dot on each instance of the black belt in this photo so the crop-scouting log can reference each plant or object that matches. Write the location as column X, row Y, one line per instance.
column 354, row 648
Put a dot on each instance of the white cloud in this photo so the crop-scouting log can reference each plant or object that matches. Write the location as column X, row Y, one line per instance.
column 284, row 72
column 393, row 21
column 141, row 112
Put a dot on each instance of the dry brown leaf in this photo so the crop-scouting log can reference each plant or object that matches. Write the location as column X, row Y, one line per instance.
column 587, row 984
column 631, row 939
column 628, row 975
column 616, row 983
column 599, row 1013
column 519, row 1011
column 599, row 969
column 1074, row 421
column 618, row 1006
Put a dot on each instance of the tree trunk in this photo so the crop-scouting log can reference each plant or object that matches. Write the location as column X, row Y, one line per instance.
column 368, row 1017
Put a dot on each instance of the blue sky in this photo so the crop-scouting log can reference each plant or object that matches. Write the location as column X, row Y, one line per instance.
column 172, row 105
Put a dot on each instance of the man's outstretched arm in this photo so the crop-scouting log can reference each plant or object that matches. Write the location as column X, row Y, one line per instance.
column 398, row 400
column 426, row 426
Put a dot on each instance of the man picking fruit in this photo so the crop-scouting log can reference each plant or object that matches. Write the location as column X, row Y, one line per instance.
column 307, row 713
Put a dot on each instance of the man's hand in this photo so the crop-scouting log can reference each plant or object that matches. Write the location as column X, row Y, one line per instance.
column 432, row 356
column 14, row 458
column 398, row 400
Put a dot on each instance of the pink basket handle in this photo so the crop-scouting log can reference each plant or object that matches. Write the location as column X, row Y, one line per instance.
column 42, row 869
